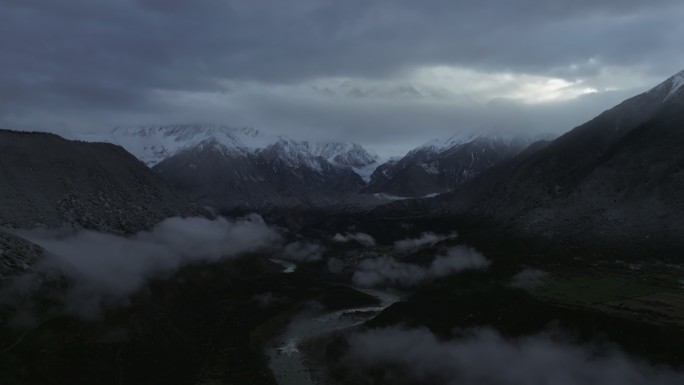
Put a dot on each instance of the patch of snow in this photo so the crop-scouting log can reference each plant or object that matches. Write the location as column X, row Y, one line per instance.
column 443, row 144
column 290, row 347
column 677, row 83
column 152, row 144
column 390, row 197
column 343, row 153
column 296, row 154
column 288, row 267
column 440, row 145
column 431, row 167
column 366, row 171
column 431, row 195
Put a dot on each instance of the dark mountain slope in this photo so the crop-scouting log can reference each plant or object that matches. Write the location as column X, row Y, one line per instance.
column 616, row 179
column 278, row 175
column 209, row 174
column 46, row 180
column 17, row 255
column 434, row 169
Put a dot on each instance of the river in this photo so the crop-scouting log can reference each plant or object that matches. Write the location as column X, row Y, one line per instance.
column 286, row 360
column 288, row 267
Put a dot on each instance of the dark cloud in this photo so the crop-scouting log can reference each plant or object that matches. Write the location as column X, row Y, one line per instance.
column 97, row 63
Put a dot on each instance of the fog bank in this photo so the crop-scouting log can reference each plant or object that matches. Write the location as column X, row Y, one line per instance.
column 104, row 268
column 387, row 271
column 410, row 356
column 424, row 240
column 362, row 238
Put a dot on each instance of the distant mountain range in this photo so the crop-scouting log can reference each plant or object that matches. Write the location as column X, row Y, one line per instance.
column 228, row 167
column 153, row 144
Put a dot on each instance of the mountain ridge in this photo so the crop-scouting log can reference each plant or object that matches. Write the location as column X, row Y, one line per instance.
column 442, row 165
column 51, row 181
column 154, row 143
column 612, row 180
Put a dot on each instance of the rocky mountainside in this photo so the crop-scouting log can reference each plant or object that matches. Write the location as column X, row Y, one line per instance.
column 50, row 181
column 617, row 179
column 444, row 164
column 17, row 256
column 227, row 167
column 285, row 173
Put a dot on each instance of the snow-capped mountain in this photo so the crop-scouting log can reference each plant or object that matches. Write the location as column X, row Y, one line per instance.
column 438, row 145
column 225, row 167
column 671, row 88
column 345, row 154
column 441, row 165
column 153, row 144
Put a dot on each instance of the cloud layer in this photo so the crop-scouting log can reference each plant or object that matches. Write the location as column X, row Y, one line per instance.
column 529, row 278
column 408, row 356
column 360, row 70
column 362, row 238
column 424, row 240
column 387, row 271
column 303, row 252
column 104, row 267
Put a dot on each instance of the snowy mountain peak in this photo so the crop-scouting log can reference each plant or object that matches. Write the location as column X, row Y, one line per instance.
column 293, row 154
column 670, row 88
column 152, row 144
column 440, row 145
column 315, row 154
column 344, row 154
column 677, row 82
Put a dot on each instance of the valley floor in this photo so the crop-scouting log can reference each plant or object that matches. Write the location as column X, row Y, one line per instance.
column 218, row 323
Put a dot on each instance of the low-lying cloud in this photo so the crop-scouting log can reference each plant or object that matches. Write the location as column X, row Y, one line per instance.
column 387, row 271
column 361, row 238
column 410, row 356
column 335, row 265
column 303, row 252
column 105, row 268
column 529, row 278
column 424, row 240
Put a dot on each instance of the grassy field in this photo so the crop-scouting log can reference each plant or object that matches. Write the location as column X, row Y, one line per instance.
column 589, row 290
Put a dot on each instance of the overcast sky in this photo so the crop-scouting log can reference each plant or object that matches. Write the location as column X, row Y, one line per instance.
column 387, row 74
